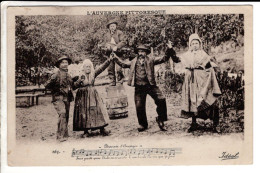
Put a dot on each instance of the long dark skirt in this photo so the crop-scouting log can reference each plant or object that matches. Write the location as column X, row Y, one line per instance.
column 89, row 110
column 211, row 112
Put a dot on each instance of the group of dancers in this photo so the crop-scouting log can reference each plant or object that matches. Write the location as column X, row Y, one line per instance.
column 199, row 91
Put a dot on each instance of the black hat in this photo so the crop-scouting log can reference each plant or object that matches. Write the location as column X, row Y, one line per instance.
column 111, row 22
column 143, row 47
column 62, row 58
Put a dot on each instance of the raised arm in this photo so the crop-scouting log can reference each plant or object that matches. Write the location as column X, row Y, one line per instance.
column 102, row 67
column 169, row 53
column 159, row 60
column 175, row 59
column 122, row 63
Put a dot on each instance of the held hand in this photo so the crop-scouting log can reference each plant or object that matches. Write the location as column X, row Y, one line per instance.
column 112, row 56
column 107, row 47
column 169, row 44
column 99, row 46
column 78, row 82
column 110, row 48
column 81, row 79
column 114, row 48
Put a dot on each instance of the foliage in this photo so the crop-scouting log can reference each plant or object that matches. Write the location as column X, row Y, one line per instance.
column 40, row 40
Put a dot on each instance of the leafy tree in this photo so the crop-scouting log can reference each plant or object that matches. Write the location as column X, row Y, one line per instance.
column 40, row 40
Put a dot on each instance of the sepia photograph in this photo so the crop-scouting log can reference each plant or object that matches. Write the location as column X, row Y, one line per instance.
column 130, row 86
column 73, row 70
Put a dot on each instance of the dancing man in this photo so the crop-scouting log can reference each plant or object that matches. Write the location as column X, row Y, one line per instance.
column 142, row 77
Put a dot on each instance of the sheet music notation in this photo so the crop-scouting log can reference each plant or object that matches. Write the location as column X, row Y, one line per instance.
column 127, row 152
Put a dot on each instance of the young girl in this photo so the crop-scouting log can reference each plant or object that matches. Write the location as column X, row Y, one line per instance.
column 89, row 111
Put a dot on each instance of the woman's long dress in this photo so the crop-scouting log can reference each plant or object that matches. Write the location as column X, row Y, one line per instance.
column 200, row 88
column 89, row 109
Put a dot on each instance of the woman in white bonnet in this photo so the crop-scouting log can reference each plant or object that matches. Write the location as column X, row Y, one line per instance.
column 89, row 110
column 200, row 88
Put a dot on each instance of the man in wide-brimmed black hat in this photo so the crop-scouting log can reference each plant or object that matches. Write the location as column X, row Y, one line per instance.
column 114, row 39
column 60, row 60
column 61, row 85
column 142, row 77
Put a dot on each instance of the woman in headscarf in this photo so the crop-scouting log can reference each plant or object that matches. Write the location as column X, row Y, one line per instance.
column 200, row 88
column 89, row 110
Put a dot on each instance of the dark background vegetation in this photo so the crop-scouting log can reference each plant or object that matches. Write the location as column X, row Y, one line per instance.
column 40, row 40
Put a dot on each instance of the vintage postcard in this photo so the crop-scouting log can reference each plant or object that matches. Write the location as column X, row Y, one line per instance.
column 129, row 85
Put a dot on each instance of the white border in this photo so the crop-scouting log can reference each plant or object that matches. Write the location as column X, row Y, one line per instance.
column 193, row 169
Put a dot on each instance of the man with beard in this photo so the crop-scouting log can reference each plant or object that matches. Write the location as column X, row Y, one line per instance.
column 142, row 77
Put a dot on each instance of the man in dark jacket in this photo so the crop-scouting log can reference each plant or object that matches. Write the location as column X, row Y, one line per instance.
column 114, row 40
column 142, row 77
column 61, row 85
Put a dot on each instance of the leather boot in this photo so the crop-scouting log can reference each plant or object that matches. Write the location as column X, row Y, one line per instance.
column 104, row 132
column 141, row 128
column 160, row 124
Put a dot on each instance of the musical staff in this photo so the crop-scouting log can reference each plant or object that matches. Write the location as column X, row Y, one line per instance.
column 132, row 152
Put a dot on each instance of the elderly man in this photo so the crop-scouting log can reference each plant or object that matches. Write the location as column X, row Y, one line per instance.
column 142, row 77
column 114, row 39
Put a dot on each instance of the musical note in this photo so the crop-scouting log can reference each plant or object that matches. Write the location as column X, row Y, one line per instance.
column 73, row 152
column 111, row 153
column 140, row 152
column 172, row 152
column 116, row 153
column 123, row 153
column 148, row 151
column 96, row 152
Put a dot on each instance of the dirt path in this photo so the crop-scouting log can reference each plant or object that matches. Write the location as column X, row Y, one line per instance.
column 39, row 123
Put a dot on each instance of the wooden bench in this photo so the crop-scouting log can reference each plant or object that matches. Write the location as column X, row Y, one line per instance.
column 28, row 99
column 37, row 97
column 30, row 90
